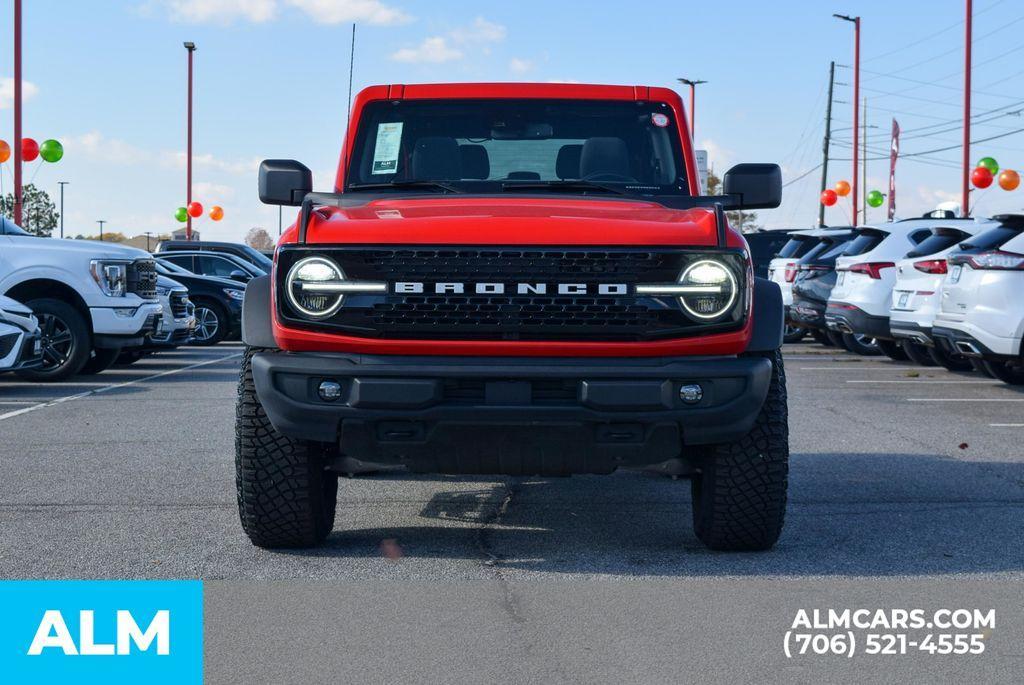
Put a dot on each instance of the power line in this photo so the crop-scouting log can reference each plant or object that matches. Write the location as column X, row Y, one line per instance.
column 931, row 36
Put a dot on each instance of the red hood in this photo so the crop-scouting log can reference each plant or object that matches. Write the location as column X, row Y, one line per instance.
column 513, row 221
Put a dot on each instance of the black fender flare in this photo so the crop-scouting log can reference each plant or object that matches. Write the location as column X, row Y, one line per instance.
column 768, row 315
column 257, row 327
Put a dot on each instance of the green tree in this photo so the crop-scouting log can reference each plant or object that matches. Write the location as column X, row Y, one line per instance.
column 38, row 213
column 746, row 222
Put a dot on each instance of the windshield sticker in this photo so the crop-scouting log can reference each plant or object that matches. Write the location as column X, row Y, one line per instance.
column 660, row 120
column 385, row 154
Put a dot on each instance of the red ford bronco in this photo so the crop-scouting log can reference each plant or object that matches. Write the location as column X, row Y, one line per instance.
column 516, row 279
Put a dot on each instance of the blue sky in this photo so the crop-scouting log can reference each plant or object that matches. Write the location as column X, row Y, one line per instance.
column 107, row 78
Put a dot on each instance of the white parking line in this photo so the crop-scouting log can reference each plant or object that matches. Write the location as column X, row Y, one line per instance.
column 966, row 399
column 853, row 366
column 927, row 382
column 115, row 386
column 1006, row 425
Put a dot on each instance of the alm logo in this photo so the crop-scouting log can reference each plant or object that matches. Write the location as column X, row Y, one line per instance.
column 53, row 633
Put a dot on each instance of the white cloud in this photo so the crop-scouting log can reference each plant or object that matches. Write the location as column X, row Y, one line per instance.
column 434, row 50
column 238, row 167
column 520, row 66
column 480, row 31
column 211, row 194
column 28, row 90
column 222, row 11
column 95, row 146
column 341, row 11
column 719, row 158
column 562, row 80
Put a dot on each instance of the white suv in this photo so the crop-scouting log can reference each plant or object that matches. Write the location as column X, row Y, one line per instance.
column 859, row 303
column 20, row 341
column 981, row 311
column 915, row 295
column 91, row 298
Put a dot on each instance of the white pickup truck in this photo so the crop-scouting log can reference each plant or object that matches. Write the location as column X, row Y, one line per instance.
column 91, row 298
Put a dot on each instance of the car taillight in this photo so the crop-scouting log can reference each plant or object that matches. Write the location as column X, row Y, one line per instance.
column 872, row 269
column 790, row 273
column 997, row 259
column 931, row 266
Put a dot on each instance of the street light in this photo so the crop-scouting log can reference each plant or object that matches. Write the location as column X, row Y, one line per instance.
column 62, row 184
column 191, row 48
column 856, row 102
column 101, row 222
column 693, row 106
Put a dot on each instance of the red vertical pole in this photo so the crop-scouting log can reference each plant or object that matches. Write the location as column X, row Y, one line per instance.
column 856, row 115
column 966, row 172
column 188, row 154
column 17, row 112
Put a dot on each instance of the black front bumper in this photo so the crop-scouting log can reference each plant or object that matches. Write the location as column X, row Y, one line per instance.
column 846, row 318
column 511, row 415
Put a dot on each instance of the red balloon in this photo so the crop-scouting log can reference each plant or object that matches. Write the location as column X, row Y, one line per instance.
column 195, row 210
column 829, row 197
column 29, row 149
column 981, row 177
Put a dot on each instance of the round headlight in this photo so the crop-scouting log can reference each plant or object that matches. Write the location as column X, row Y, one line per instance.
column 714, row 289
column 308, row 287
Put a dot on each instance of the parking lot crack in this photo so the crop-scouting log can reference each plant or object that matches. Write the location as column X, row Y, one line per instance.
column 491, row 560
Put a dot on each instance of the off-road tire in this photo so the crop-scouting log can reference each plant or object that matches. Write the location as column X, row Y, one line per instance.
column 71, row 322
column 100, row 361
column 739, row 496
column 948, row 360
column 918, row 353
column 892, row 349
column 285, row 496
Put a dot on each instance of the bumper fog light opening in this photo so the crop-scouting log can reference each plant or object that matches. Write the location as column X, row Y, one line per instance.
column 691, row 393
column 329, row 391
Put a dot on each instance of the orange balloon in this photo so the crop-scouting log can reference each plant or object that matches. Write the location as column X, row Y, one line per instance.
column 216, row 213
column 842, row 188
column 5, row 151
column 1009, row 179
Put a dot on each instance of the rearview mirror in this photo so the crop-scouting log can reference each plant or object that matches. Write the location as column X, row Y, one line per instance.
column 284, row 182
column 240, row 276
column 753, row 186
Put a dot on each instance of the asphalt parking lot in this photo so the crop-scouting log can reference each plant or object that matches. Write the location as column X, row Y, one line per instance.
column 906, row 490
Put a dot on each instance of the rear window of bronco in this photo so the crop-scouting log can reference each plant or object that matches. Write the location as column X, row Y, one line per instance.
column 487, row 145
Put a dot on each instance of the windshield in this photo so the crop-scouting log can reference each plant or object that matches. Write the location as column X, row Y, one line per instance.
column 168, row 268
column 258, row 258
column 488, row 146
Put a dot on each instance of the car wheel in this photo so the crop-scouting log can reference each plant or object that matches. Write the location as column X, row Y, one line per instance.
column 1005, row 371
column 739, row 496
column 66, row 340
column 821, row 337
column 980, row 367
column 837, row 339
column 793, row 334
column 286, row 497
column 211, row 323
column 918, row 353
column 951, row 361
column 861, row 344
column 100, row 361
column 892, row 349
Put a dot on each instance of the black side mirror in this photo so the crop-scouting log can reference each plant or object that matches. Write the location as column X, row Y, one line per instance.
column 753, row 186
column 284, row 182
column 240, row 276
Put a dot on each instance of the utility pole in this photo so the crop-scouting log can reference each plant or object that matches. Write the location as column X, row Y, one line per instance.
column 864, row 166
column 17, row 112
column 191, row 48
column 62, row 184
column 856, row 103
column 693, row 83
column 827, row 141
column 148, row 234
column 966, row 159
column 101, row 222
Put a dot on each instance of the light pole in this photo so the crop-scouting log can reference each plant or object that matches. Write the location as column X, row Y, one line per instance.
column 101, row 222
column 693, row 104
column 148, row 234
column 856, row 102
column 62, row 184
column 190, row 48
column 966, row 159
column 17, row 112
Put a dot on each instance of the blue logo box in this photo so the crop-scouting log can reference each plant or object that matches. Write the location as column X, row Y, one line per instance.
column 101, row 631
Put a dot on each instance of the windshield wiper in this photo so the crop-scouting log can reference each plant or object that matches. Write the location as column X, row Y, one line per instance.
column 430, row 185
column 568, row 186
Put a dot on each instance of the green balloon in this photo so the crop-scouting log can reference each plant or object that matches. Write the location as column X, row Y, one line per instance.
column 990, row 164
column 181, row 214
column 875, row 198
column 51, row 151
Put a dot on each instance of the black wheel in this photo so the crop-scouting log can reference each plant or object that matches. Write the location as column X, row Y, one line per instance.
column 66, row 340
column 211, row 323
column 1007, row 372
column 918, row 353
column 891, row 349
column 821, row 337
column 739, row 496
column 980, row 367
column 793, row 334
column 861, row 344
column 837, row 339
column 286, row 498
column 951, row 361
column 100, row 361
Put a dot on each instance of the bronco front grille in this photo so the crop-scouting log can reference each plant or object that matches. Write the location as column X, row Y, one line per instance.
column 510, row 316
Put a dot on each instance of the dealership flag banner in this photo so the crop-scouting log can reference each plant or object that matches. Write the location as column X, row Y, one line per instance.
column 894, row 152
